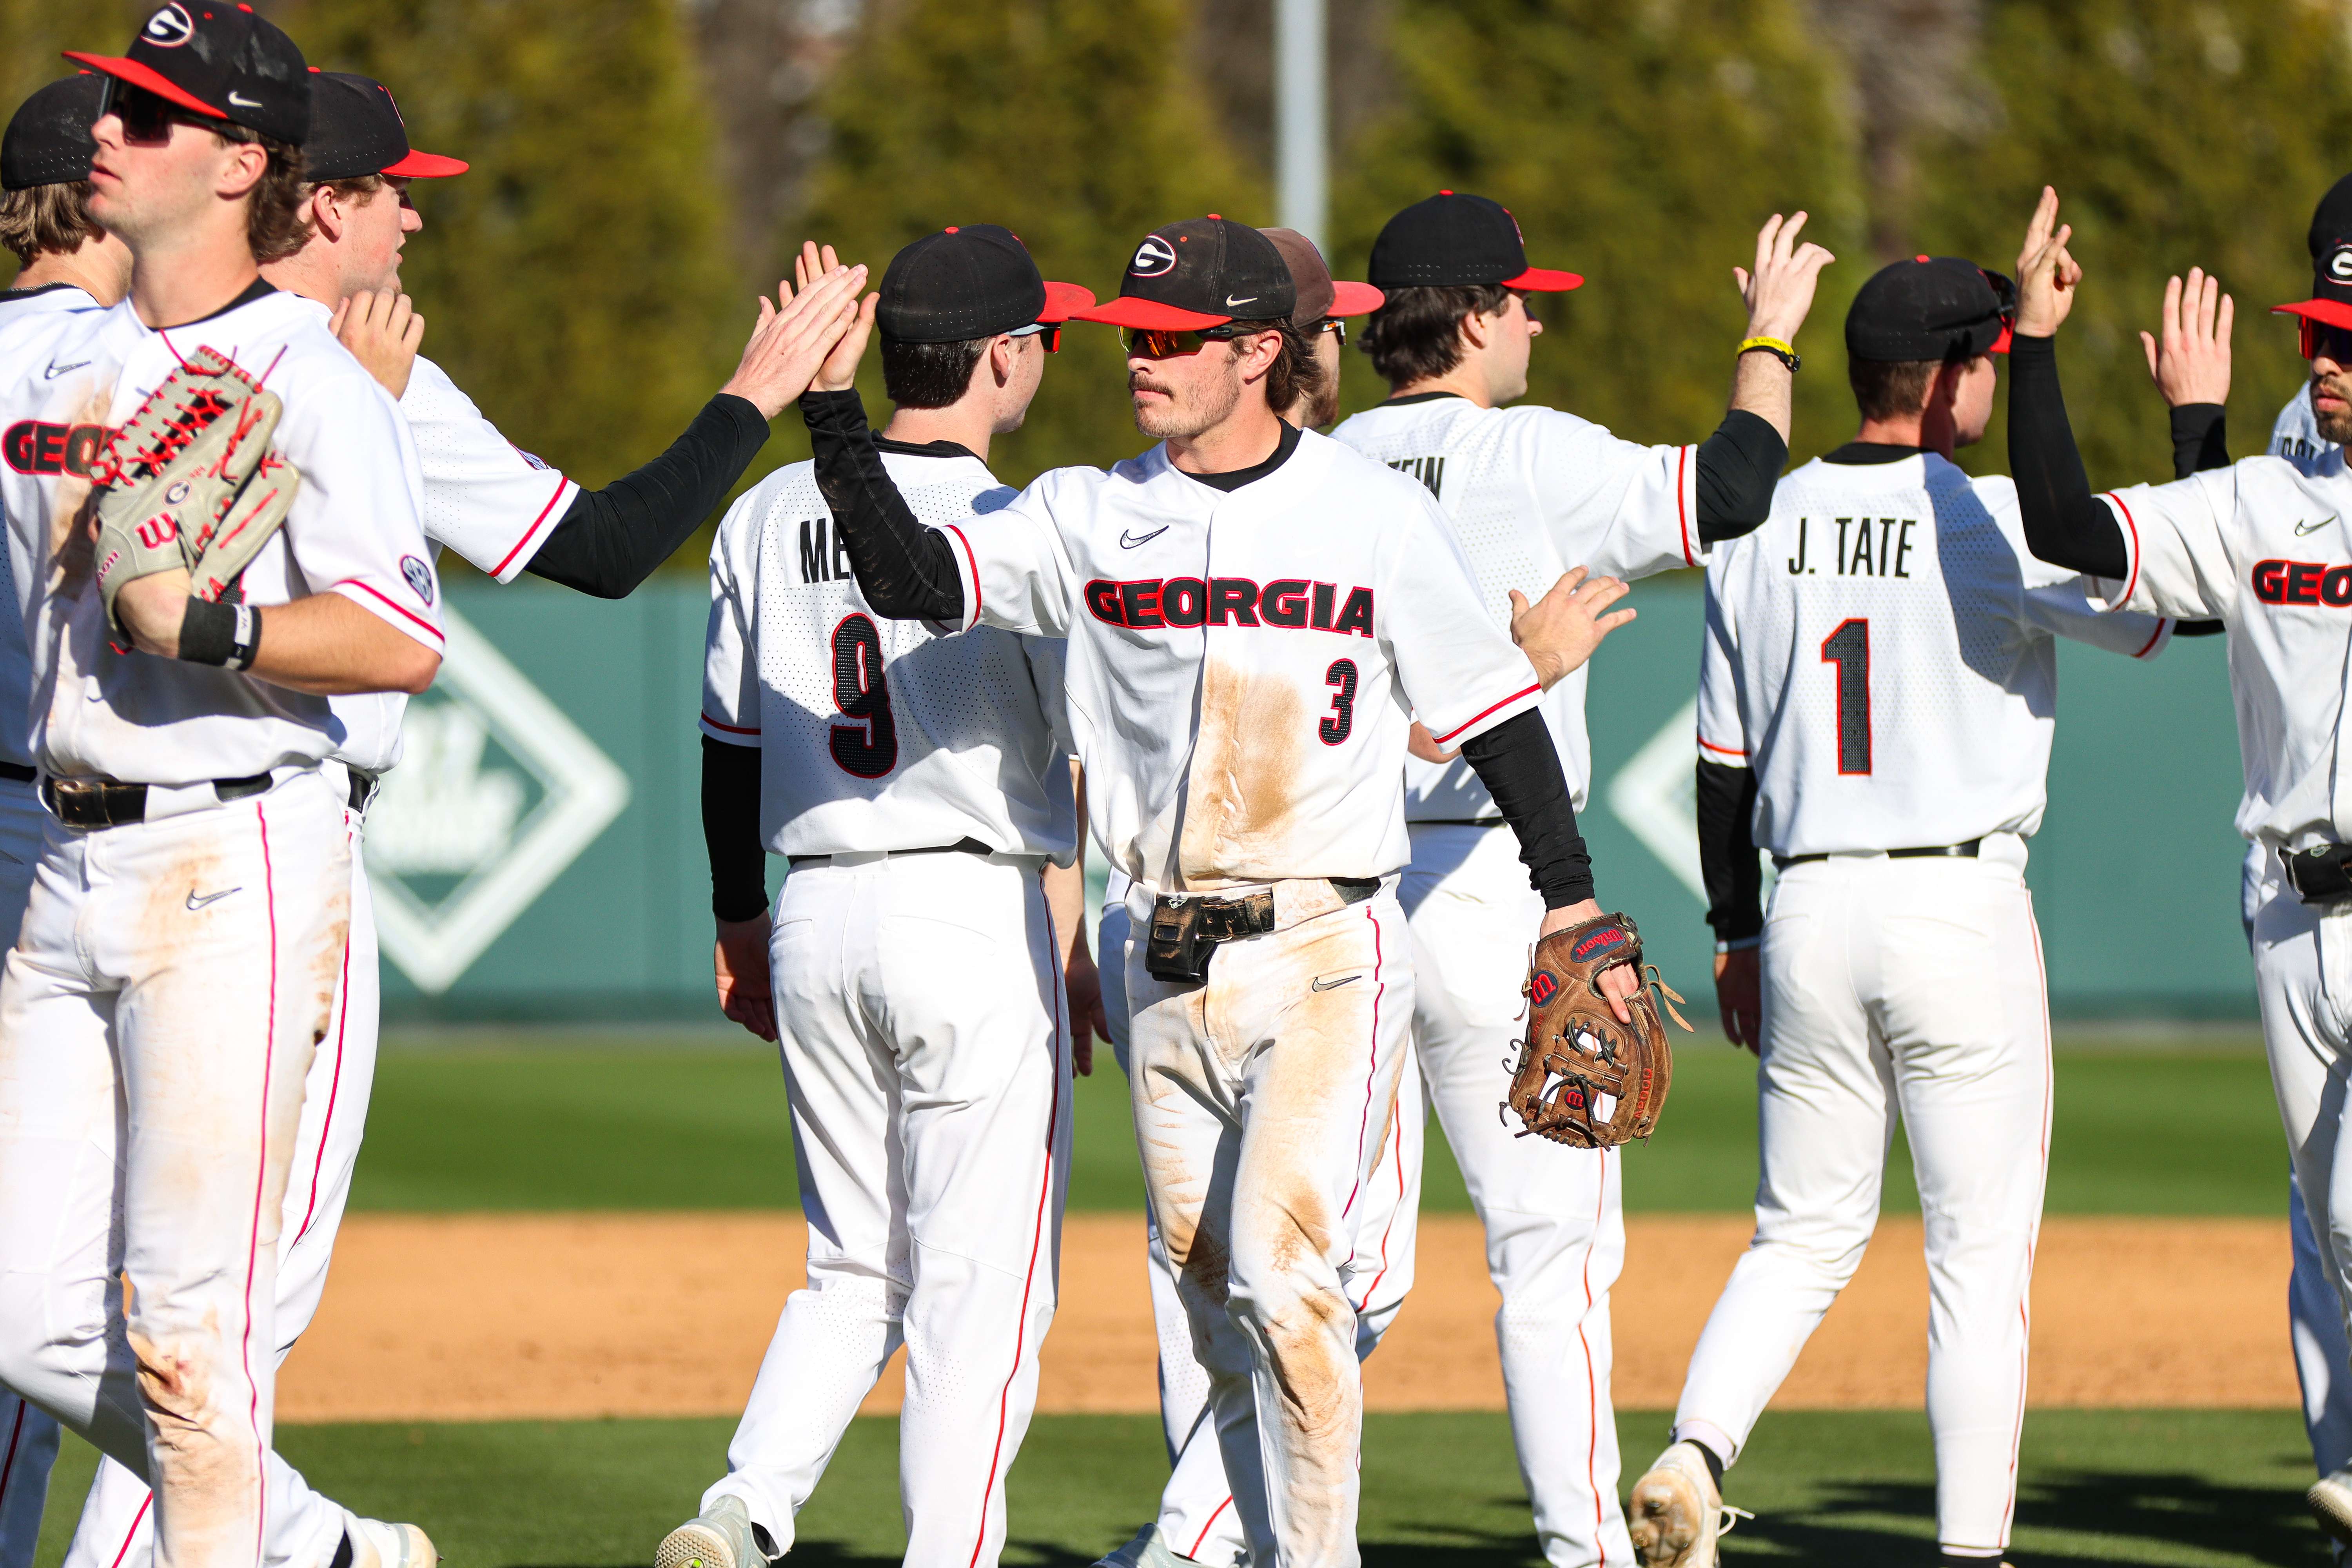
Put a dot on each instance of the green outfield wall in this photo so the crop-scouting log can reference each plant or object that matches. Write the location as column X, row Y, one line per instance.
column 539, row 852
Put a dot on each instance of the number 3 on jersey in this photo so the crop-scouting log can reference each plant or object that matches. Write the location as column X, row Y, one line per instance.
column 868, row 747
column 1848, row 647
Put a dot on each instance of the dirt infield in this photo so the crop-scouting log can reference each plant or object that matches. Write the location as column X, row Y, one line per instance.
column 552, row 1317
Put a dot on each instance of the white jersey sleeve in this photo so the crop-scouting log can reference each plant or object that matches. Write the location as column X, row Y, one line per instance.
column 1722, row 721
column 2177, row 545
column 1460, row 675
column 731, row 678
column 1010, row 560
column 484, row 498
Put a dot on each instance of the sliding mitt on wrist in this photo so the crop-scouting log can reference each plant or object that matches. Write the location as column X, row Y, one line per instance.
column 1584, row 1078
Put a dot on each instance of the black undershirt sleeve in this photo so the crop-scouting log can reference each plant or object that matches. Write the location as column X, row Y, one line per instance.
column 730, row 830
column 2064, row 524
column 906, row 571
column 1737, row 468
column 1520, row 765
column 609, row 541
column 2200, row 438
column 1727, row 851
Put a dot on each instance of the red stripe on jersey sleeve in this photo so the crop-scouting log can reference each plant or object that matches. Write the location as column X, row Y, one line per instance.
column 1711, row 746
column 731, row 729
column 1506, row 703
column 1682, row 509
column 2132, row 581
column 427, row 627
column 532, row 531
column 971, row 619
column 2154, row 638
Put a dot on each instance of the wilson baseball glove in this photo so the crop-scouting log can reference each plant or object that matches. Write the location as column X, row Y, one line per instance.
column 189, row 482
column 1583, row 1077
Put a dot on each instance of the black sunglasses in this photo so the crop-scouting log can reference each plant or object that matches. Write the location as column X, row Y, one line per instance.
column 2324, row 338
column 1049, row 337
column 1332, row 325
column 146, row 116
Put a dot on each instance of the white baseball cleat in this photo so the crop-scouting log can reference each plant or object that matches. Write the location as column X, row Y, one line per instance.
column 2330, row 1500
column 375, row 1544
column 1676, row 1515
column 1146, row 1551
column 722, row 1538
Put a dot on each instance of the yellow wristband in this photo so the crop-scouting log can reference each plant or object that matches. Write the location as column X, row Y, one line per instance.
column 1781, row 348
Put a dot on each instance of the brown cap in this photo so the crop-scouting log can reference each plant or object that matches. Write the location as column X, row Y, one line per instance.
column 1319, row 297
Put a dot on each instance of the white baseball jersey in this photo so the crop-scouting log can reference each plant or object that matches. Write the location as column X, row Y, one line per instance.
column 2295, row 437
column 876, row 733
column 16, row 660
column 1243, row 666
column 1530, row 492
column 1881, row 652
column 2265, row 549
column 353, row 530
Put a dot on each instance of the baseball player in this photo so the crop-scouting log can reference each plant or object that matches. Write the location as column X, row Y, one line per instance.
column 1530, row 491
column 1252, row 611
column 1899, row 973
column 917, row 783
column 491, row 503
column 179, row 949
column 2246, row 545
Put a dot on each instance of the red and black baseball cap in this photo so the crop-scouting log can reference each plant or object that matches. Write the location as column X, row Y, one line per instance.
column 966, row 281
column 1201, row 272
column 2331, row 287
column 47, row 141
column 219, row 60
column 1319, row 297
column 1453, row 240
column 1930, row 306
column 356, row 130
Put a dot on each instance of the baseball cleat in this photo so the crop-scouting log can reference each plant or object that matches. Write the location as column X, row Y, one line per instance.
column 1676, row 1515
column 1146, row 1551
column 375, row 1544
column 2330, row 1500
column 722, row 1538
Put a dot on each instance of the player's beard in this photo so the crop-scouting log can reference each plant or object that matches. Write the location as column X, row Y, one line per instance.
column 2333, row 424
column 1207, row 403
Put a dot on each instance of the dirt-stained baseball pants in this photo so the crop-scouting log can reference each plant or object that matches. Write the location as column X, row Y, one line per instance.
column 1914, row 988
column 176, row 973
column 28, row 1436
column 1262, row 1098
column 1197, row 1518
column 926, row 1051
column 117, row 1527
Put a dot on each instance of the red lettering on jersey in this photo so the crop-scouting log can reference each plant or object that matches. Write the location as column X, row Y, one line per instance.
column 1291, row 603
column 2302, row 582
column 38, row 447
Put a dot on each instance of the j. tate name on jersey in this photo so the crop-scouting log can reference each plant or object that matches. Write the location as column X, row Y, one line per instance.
column 1865, row 547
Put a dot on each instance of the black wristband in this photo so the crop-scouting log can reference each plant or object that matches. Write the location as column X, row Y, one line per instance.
column 212, row 633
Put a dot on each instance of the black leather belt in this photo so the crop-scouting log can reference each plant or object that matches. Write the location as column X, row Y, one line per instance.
column 91, row 803
column 1186, row 930
column 2321, row 875
column 17, row 773
column 960, row 847
column 363, row 788
column 1455, row 822
column 1933, row 852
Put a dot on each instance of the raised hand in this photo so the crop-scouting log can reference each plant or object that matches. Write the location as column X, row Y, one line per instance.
column 2190, row 360
column 1779, row 292
column 2046, row 272
column 1559, row 632
column 383, row 332
column 796, row 334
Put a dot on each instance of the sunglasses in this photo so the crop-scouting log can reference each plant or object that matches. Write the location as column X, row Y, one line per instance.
column 1332, row 325
column 2004, row 291
column 1048, row 336
column 1160, row 343
column 146, row 116
column 2314, row 340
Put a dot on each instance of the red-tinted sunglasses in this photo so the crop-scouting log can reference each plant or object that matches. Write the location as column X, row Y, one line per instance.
column 2316, row 338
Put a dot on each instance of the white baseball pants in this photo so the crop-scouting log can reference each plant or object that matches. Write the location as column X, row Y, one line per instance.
column 157, row 1018
column 1554, row 1216
column 1197, row 1518
column 1913, row 988
column 29, row 1435
column 117, row 1527
column 1262, row 1098
column 926, row 1048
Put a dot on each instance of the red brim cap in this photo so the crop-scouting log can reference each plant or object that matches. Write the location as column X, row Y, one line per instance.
column 147, row 77
column 1543, row 281
column 427, row 166
column 1064, row 301
column 1355, row 299
column 1126, row 310
column 2334, row 312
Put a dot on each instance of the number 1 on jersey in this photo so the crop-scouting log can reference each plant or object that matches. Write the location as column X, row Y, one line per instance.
column 1848, row 647
column 870, row 748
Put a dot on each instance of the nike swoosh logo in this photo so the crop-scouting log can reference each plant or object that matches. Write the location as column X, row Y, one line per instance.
column 1125, row 543
column 2303, row 529
column 56, row 370
column 1245, row 299
column 196, row 903
column 1318, row 985
column 241, row 102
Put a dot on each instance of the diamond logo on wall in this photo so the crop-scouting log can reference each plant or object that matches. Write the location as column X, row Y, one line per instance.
column 496, row 792
column 1655, row 794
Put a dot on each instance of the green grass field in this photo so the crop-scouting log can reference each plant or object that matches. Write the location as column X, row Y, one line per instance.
column 703, row 1125
column 2196, row 1490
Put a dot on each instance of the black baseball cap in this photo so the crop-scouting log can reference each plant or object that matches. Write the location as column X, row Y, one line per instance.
column 2331, row 220
column 2331, row 285
column 356, row 128
column 48, row 142
column 1320, row 298
column 1931, row 307
column 1201, row 272
column 966, row 281
column 1453, row 240
column 220, row 61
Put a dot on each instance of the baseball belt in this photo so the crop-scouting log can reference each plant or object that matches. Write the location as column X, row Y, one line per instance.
column 960, row 847
column 2319, row 876
column 1186, row 930
column 88, row 805
column 1933, row 852
column 17, row 773
column 364, row 787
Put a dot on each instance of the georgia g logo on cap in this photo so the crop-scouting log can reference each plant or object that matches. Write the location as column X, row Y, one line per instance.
column 170, row 28
column 2339, row 262
column 1153, row 257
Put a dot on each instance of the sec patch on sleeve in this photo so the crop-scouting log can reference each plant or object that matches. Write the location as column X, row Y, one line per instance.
column 419, row 575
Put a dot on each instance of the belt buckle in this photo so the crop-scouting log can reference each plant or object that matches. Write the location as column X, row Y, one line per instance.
column 80, row 803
